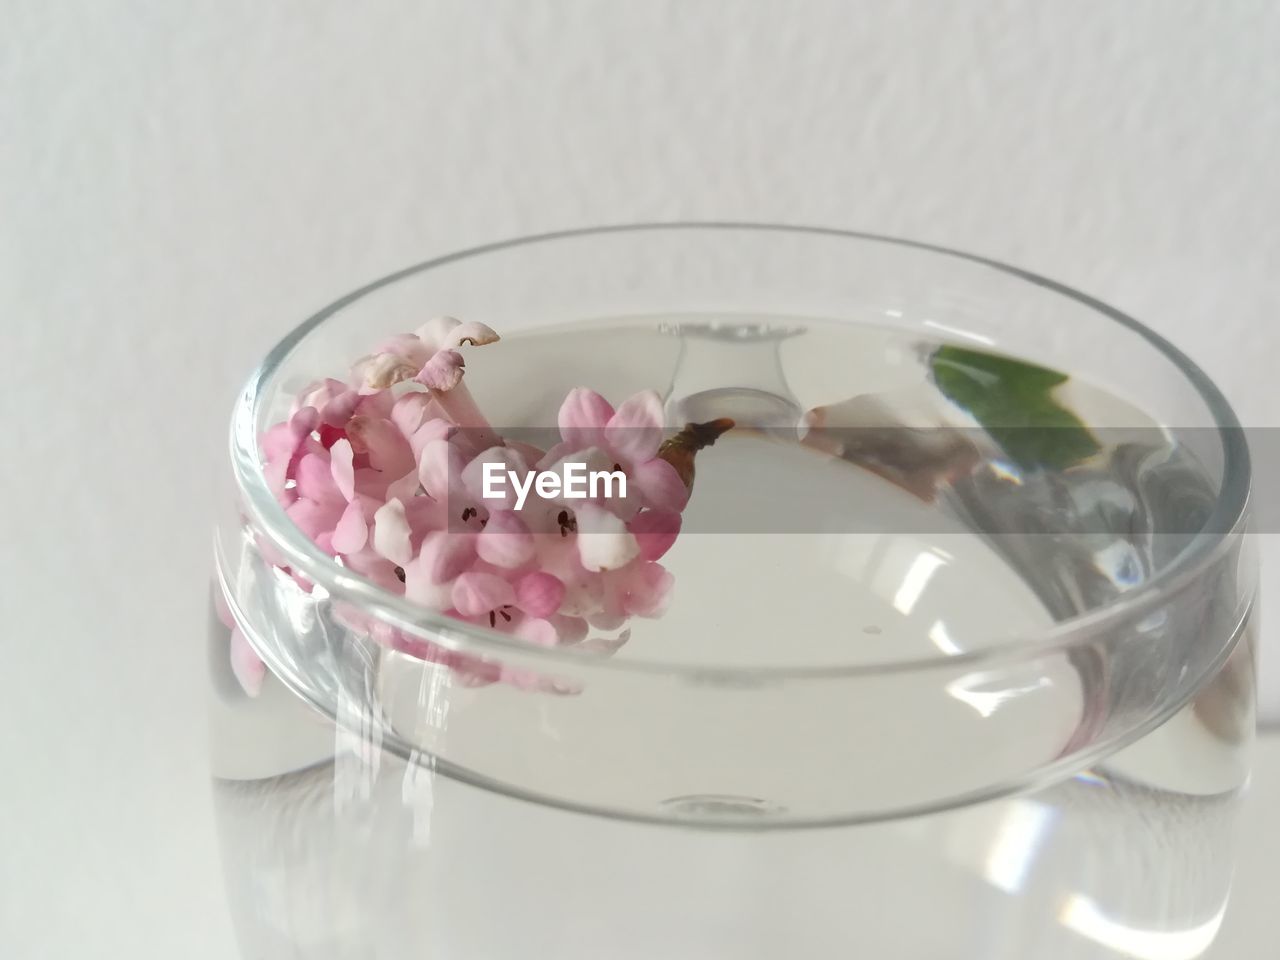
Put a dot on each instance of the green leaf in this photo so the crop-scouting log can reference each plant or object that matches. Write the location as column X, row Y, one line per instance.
column 1013, row 401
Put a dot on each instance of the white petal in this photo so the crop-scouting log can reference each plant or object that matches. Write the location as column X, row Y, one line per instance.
column 391, row 533
column 603, row 540
column 470, row 333
column 436, row 331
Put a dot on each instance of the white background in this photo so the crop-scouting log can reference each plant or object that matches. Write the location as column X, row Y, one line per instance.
column 183, row 180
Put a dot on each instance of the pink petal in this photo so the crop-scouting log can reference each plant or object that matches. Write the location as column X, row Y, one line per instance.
column 530, row 453
column 352, row 533
column 410, row 411
column 537, row 631
column 314, row 518
column 341, row 466
column 405, row 488
column 635, row 431
column 373, row 567
column 475, row 593
column 407, row 346
column 388, row 449
column 560, row 452
column 315, row 480
column 422, row 588
column 434, row 428
column 340, row 409
column 655, row 531
column 440, row 468
column 248, row 668
column 659, row 485
column 539, row 594
column 645, row 589
column 391, row 533
column 606, row 646
column 595, row 460
column 444, row 556
column 607, row 619
column 283, row 441
column 505, row 541
column 443, row 371
column 508, row 461
column 460, row 407
column 424, row 515
column 372, row 484
column 583, row 598
column 304, row 421
column 319, row 392
column 276, row 473
column 534, row 682
column 280, row 448
column 376, row 406
column 221, row 608
column 570, row 629
column 583, row 417
column 278, row 443
column 603, row 540
column 474, row 672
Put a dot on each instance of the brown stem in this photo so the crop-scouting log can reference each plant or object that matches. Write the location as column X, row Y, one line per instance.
column 679, row 451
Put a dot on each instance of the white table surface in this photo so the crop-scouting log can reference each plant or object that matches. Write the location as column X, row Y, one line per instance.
column 134, row 872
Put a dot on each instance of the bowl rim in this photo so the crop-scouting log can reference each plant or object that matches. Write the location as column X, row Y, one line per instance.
column 1225, row 522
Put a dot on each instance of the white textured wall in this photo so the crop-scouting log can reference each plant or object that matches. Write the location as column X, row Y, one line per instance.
column 182, row 180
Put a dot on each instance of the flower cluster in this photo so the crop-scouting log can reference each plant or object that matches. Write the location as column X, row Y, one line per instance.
column 385, row 473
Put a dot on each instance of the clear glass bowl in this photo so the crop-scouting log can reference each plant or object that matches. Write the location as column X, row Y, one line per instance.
column 1056, row 785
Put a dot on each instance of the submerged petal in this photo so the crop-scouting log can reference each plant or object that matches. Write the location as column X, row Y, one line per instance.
column 539, row 594
column 537, row 631
column 505, row 541
column 475, row 593
column 315, row 480
column 645, row 587
column 444, row 556
column 314, row 518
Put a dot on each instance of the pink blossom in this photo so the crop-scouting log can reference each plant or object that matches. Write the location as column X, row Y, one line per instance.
column 385, row 473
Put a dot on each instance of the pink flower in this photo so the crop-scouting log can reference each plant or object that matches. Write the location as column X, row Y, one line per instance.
column 630, row 437
column 385, row 473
